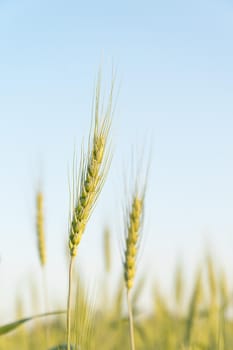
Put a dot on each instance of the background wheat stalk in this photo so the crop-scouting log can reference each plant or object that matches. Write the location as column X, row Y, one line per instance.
column 92, row 173
column 193, row 308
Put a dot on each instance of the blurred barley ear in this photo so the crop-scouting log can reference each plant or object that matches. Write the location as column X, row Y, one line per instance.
column 92, row 173
column 179, row 288
column 40, row 227
column 193, row 308
column 41, row 242
column 213, row 294
column 224, row 303
column 133, row 227
column 161, row 307
column 224, row 290
column 212, row 281
column 42, row 247
column 107, row 249
column 107, row 265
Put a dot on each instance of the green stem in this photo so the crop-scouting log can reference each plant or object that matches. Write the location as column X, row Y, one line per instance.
column 68, row 320
column 131, row 327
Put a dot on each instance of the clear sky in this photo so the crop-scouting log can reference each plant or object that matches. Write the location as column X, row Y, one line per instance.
column 175, row 81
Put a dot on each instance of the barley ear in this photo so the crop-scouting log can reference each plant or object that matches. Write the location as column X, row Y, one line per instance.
column 133, row 227
column 92, row 173
column 93, row 169
column 132, row 238
column 179, row 287
column 42, row 250
column 107, row 249
column 40, row 227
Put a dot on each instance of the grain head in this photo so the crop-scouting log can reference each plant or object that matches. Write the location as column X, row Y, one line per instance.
column 92, row 173
column 40, row 227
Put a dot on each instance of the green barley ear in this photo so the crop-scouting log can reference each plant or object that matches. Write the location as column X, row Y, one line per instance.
column 42, row 250
column 132, row 239
column 134, row 215
column 93, row 169
column 92, row 173
column 40, row 227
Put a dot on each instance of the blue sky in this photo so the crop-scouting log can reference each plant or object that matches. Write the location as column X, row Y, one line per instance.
column 175, row 82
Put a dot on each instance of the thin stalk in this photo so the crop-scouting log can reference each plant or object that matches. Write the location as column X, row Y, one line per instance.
column 45, row 292
column 131, row 327
column 68, row 320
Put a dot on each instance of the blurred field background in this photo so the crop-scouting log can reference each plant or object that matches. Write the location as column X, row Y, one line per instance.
column 174, row 93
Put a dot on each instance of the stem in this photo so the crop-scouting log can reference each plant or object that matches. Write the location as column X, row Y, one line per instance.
column 131, row 327
column 45, row 290
column 68, row 320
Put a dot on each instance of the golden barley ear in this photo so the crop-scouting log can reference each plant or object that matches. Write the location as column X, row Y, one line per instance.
column 40, row 227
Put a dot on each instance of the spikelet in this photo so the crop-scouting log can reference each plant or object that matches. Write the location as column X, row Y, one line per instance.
column 134, row 224
column 40, row 227
column 93, row 171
